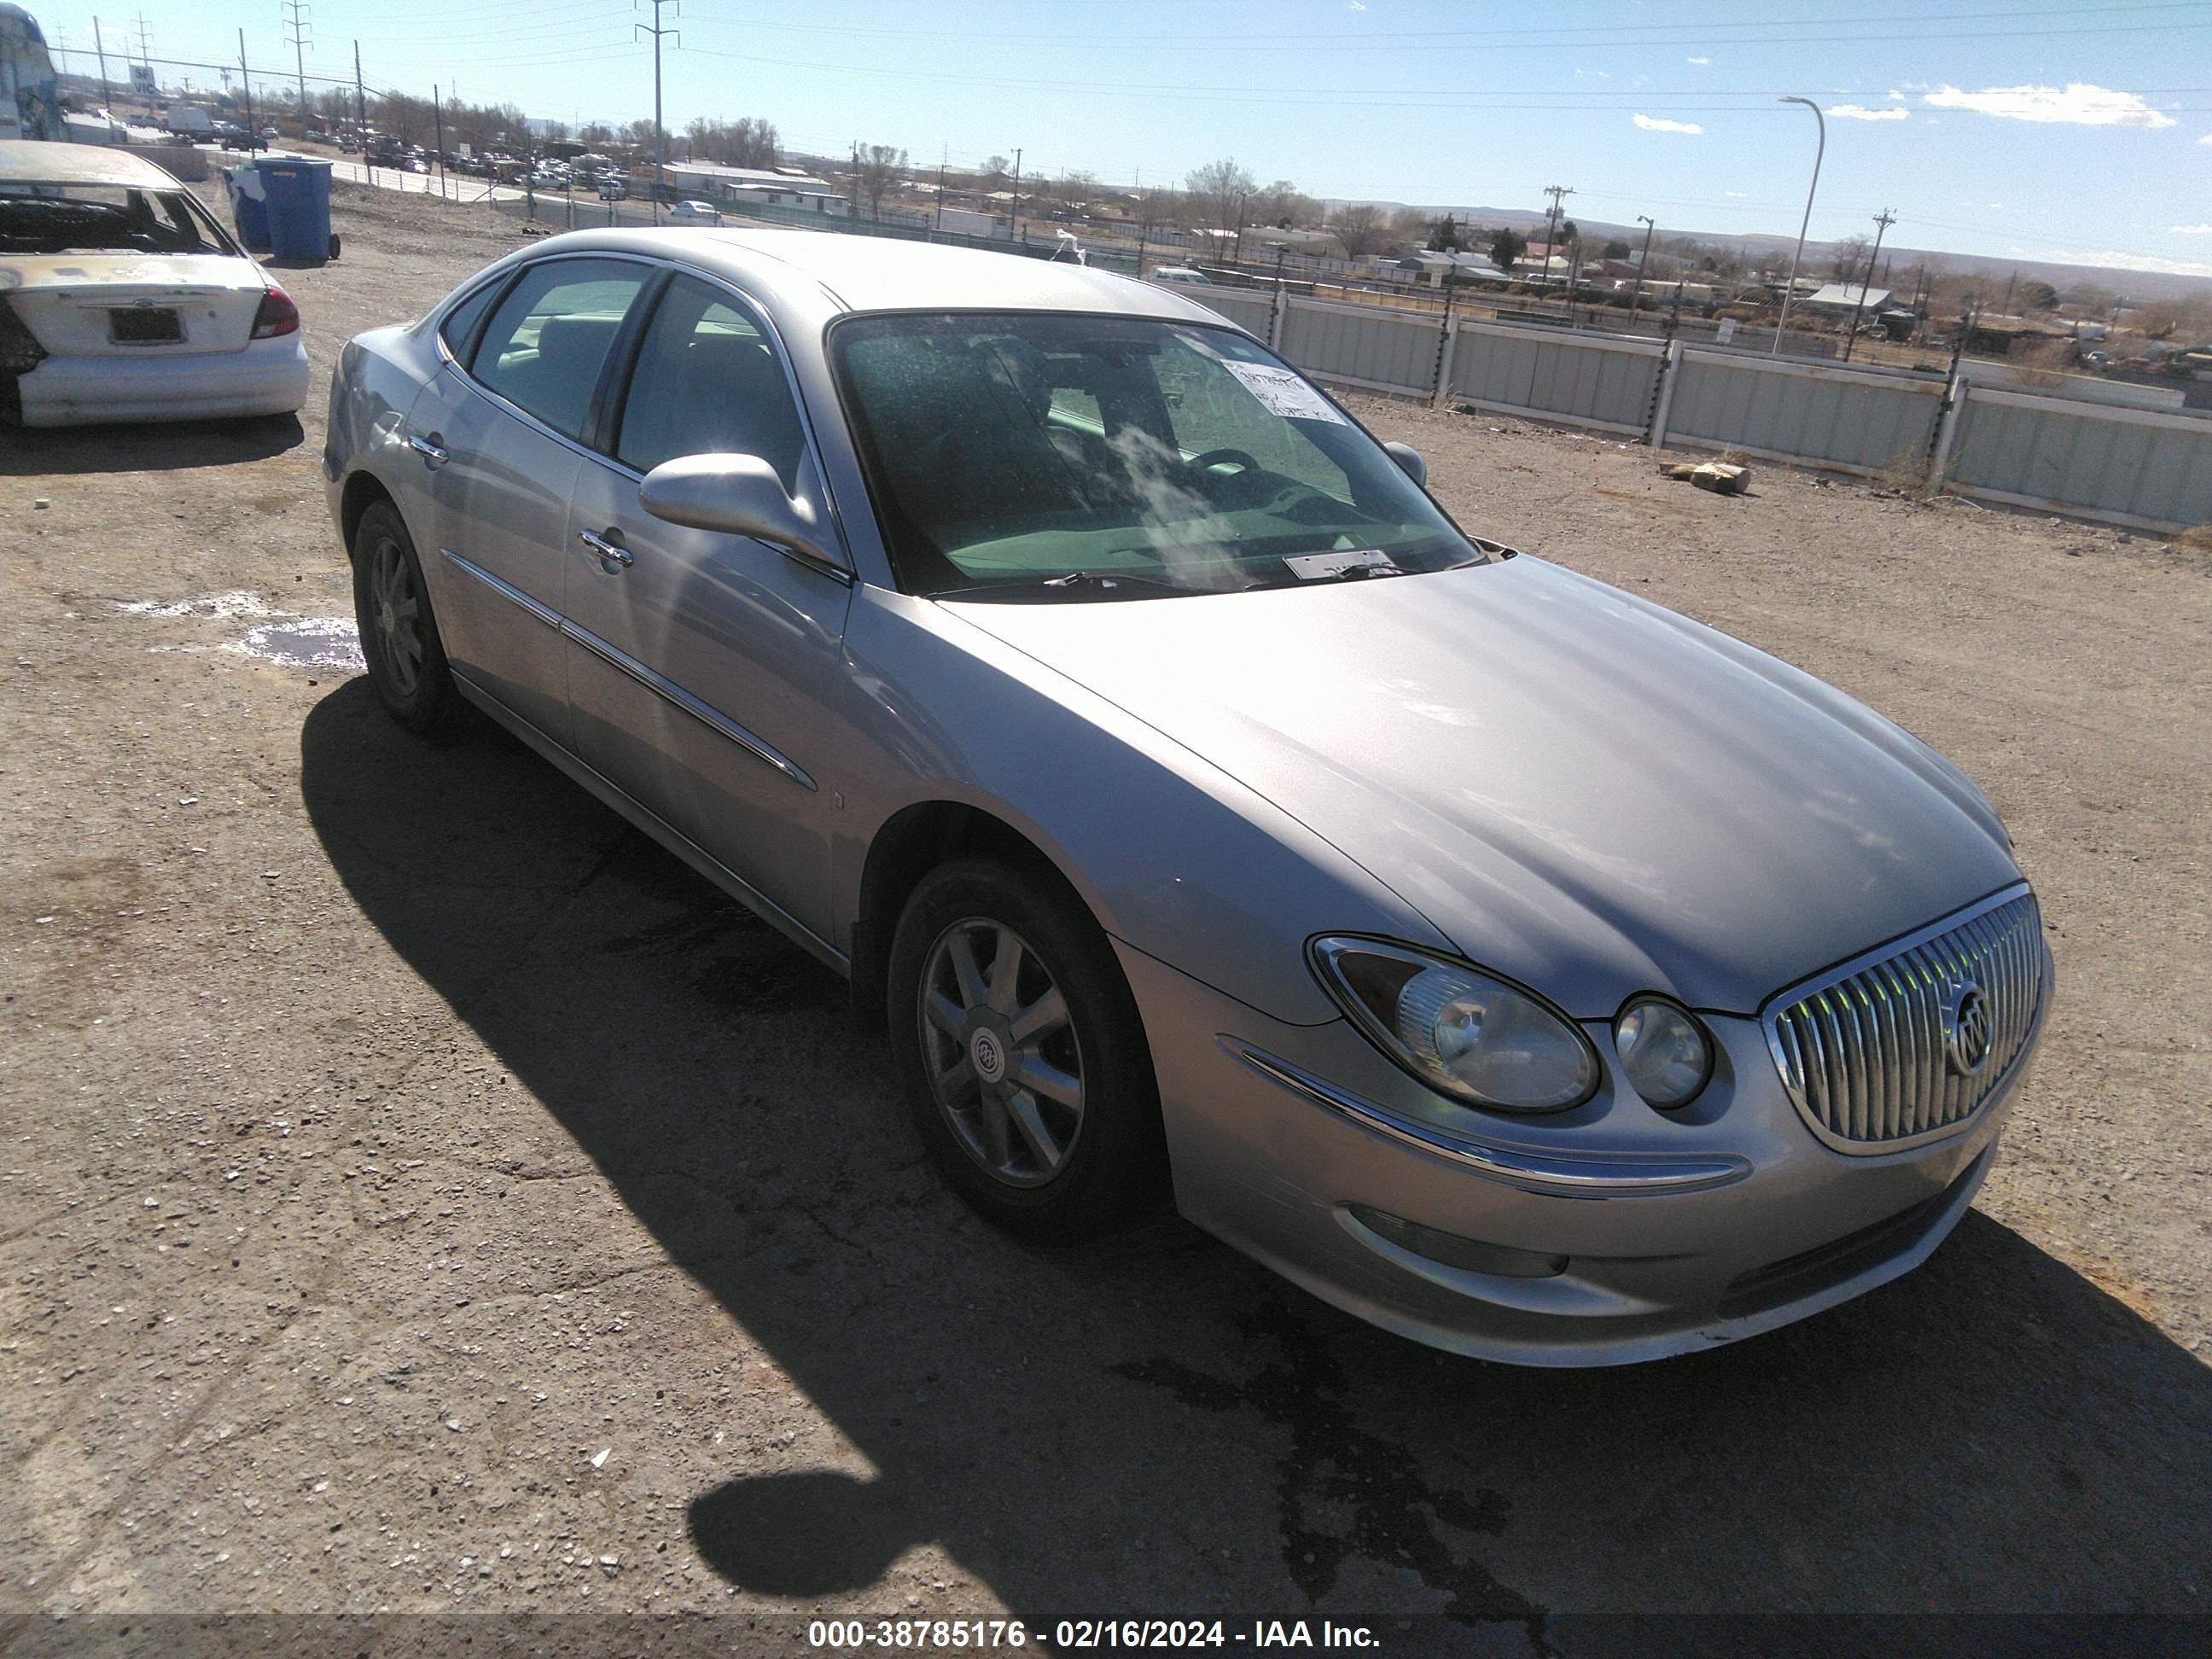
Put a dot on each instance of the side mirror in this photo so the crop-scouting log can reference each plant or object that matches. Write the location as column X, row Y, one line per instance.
column 1409, row 461
column 738, row 496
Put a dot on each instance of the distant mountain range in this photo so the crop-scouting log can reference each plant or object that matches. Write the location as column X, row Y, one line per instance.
column 2133, row 284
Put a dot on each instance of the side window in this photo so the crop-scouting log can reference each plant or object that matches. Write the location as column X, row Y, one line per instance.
column 545, row 343
column 460, row 324
column 705, row 383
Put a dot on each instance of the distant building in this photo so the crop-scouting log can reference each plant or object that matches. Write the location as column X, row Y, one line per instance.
column 1841, row 296
column 779, row 188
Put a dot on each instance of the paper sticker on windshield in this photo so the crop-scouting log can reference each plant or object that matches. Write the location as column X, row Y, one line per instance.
column 1282, row 392
column 1323, row 566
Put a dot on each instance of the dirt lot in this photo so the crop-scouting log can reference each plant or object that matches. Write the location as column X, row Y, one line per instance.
column 418, row 1192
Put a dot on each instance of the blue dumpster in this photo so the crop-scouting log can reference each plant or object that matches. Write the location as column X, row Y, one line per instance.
column 247, row 208
column 299, row 197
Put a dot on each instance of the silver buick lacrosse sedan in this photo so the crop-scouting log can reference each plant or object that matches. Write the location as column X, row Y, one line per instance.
column 1206, row 817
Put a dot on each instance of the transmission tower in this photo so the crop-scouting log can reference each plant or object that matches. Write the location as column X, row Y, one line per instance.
column 659, row 133
column 297, row 23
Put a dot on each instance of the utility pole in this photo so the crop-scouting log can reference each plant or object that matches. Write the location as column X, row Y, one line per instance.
column 1637, row 293
column 295, row 20
column 937, row 220
column 359, row 94
column 246, row 80
column 660, row 131
column 1883, row 220
column 99, row 46
column 438, row 115
column 1014, row 220
column 1559, row 193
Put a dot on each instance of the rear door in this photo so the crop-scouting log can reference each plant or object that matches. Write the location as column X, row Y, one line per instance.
column 707, row 668
column 499, row 436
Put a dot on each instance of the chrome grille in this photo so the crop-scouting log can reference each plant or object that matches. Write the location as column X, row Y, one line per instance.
column 1875, row 1054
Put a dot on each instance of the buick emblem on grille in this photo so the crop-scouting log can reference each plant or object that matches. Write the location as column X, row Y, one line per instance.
column 1967, row 1029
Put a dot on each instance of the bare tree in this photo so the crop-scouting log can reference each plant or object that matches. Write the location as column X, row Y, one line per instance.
column 1221, row 190
column 880, row 167
column 1360, row 229
column 1849, row 253
column 747, row 141
column 996, row 171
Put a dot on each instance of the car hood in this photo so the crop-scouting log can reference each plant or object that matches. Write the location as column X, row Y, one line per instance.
column 1578, row 788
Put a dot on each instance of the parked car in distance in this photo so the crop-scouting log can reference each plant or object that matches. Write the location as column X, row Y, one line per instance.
column 1179, row 274
column 694, row 213
column 1198, row 809
column 233, row 137
column 613, row 188
column 124, row 300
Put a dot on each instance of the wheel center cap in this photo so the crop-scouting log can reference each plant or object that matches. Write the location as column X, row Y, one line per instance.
column 988, row 1054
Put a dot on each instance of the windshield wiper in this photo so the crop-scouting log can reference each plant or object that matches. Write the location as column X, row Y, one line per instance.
column 1101, row 581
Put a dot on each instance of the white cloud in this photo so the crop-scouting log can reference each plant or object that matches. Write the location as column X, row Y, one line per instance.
column 1894, row 95
column 1732, row 195
column 1999, row 206
column 2206, row 140
column 2079, row 104
column 2127, row 261
column 1653, row 123
column 1860, row 113
column 2193, row 230
column 1702, row 63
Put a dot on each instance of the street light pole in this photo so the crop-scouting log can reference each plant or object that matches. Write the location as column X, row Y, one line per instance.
column 1637, row 293
column 1790, row 292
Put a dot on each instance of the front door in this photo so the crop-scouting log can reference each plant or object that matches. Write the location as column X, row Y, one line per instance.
column 705, row 668
column 499, row 445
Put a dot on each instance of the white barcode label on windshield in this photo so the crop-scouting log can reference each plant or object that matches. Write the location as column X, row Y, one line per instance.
column 1321, row 566
column 1281, row 393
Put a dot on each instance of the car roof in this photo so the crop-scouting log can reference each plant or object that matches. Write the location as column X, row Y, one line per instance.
column 872, row 273
column 36, row 161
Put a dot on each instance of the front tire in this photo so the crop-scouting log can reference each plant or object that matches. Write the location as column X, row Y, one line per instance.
column 398, row 634
column 1021, row 1054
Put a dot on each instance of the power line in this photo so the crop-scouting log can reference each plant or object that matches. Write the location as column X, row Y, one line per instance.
column 1531, row 36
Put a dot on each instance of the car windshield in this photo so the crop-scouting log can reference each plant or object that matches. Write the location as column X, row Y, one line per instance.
column 1043, row 457
column 37, row 218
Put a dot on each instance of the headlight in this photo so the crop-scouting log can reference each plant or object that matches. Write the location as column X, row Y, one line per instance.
column 1465, row 1033
column 1663, row 1050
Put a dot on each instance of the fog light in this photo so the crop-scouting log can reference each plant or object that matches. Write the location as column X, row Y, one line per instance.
column 1469, row 1254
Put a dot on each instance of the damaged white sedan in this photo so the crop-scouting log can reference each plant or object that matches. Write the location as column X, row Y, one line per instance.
column 122, row 299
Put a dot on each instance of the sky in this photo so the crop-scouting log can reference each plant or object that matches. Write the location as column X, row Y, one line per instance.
column 2008, row 128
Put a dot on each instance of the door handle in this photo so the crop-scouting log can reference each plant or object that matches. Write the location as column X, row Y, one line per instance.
column 606, row 550
column 433, row 451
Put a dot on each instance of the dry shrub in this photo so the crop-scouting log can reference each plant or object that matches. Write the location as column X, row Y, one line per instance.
column 2198, row 540
column 2042, row 362
column 1905, row 475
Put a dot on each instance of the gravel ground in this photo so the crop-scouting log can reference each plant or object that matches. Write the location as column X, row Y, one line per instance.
column 419, row 1193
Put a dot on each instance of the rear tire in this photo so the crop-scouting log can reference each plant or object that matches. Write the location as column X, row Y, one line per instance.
column 398, row 634
column 1021, row 1054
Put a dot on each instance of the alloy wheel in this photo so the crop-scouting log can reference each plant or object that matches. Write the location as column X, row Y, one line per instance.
column 1001, row 1051
column 396, row 614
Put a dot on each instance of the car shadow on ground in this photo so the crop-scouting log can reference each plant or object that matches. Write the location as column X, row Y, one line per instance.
column 1156, row 1425
column 161, row 446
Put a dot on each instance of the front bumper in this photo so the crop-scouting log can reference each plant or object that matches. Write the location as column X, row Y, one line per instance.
column 1289, row 1141
column 267, row 377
